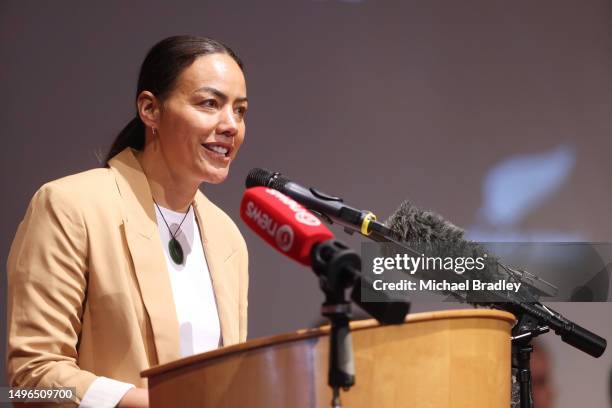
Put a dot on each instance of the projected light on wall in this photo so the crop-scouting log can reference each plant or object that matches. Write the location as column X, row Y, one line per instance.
column 517, row 186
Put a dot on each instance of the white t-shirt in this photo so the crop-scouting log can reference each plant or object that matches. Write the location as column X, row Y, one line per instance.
column 194, row 299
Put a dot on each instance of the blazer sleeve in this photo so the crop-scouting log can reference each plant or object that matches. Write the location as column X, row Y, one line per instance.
column 244, row 292
column 47, row 286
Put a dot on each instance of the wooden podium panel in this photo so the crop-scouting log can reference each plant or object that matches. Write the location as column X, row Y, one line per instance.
column 450, row 359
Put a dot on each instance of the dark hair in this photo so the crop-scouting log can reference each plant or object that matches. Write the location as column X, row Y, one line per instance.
column 158, row 73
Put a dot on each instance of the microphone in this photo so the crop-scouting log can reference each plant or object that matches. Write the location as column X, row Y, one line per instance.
column 331, row 208
column 427, row 228
column 412, row 225
column 297, row 233
column 283, row 223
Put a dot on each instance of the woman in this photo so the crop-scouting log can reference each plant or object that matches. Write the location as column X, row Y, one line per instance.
column 118, row 269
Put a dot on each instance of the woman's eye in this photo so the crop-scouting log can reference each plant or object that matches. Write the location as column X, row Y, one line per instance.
column 209, row 103
column 241, row 111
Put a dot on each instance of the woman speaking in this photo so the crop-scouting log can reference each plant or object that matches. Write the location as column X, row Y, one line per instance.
column 121, row 268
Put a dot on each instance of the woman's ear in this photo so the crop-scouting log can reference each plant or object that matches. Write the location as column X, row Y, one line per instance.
column 148, row 109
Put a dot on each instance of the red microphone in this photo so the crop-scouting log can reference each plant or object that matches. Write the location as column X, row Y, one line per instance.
column 283, row 223
column 295, row 231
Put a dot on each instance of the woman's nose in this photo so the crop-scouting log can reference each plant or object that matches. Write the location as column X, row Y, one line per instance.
column 228, row 123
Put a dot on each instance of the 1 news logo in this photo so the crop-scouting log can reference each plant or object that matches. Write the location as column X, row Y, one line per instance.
column 272, row 217
column 284, row 238
column 283, row 235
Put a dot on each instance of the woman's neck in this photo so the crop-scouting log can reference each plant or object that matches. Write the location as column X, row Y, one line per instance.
column 169, row 190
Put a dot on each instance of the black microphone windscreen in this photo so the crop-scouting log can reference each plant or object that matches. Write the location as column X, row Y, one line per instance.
column 266, row 178
column 415, row 225
column 258, row 177
column 429, row 231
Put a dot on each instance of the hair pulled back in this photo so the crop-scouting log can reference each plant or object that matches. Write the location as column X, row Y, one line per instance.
column 158, row 74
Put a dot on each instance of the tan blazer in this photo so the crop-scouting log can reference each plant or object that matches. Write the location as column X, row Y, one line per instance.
column 88, row 289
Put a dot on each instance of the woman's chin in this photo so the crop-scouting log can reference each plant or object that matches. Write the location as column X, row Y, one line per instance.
column 215, row 176
column 215, row 181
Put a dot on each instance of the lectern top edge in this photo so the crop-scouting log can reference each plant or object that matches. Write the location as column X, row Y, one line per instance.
column 322, row 331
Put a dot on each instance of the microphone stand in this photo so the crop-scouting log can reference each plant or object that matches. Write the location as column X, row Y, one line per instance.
column 335, row 264
column 338, row 268
column 535, row 319
column 523, row 332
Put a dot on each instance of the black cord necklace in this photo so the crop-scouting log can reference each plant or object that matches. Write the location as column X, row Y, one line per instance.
column 174, row 247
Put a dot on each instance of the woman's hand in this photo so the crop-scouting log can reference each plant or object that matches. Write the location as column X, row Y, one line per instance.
column 135, row 398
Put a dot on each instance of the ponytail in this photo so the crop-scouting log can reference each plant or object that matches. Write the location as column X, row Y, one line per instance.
column 132, row 135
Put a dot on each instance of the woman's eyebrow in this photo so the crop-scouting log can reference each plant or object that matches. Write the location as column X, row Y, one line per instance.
column 220, row 94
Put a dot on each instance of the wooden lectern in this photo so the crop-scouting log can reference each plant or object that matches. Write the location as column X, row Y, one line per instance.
column 449, row 359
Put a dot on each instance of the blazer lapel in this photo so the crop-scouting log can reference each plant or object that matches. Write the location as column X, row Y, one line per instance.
column 217, row 253
column 147, row 254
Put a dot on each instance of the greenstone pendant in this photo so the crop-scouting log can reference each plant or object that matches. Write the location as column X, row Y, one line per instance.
column 176, row 251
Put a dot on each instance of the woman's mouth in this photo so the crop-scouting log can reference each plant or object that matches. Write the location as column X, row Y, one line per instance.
column 217, row 149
